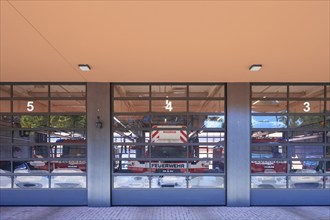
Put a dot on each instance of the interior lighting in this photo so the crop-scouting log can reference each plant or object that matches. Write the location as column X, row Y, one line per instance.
column 84, row 67
column 255, row 67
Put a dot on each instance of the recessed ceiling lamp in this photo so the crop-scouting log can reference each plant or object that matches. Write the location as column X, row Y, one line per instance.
column 255, row 67
column 84, row 67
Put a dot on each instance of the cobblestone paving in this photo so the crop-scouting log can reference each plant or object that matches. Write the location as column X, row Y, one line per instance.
column 164, row 213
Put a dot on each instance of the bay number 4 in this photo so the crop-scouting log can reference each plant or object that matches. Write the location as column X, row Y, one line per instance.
column 169, row 105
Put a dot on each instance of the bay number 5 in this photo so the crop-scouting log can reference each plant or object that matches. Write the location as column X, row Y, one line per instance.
column 307, row 106
column 30, row 106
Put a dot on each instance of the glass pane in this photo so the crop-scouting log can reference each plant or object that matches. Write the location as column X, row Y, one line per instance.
column 5, row 91
column 306, row 121
column 169, row 166
column 168, row 182
column 68, row 181
column 71, row 166
column 207, row 91
column 306, row 182
column 169, row 91
column 306, row 91
column 131, row 166
column 327, row 152
column 5, row 136
column 135, row 123
column 30, row 121
column 68, row 121
column 306, row 151
column 5, row 150
column 129, row 137
column 216, row 106
column 32, row 182
column 306, row 136
column 206, row 182
column 266, row 152
column 69, row 150
column 67, row 135
column 30, row 151
column 30, row 166
column 306, row 106
column 68, row 106
column 206, row 166
column 327, row 182
column 268, row 167
column 207, row 151
column 24, row 137
column 327, row 165
column 206, row 121
column 328, row 92
column 169, row 151
column 71, row 91
column 30, row 106
column 131, row 91
column 168, row 120
column 207, row 137
column 30, row 90
column 5, row 121
column 269, row 91
column 328, row 107
column 5, row 181
column 131, row 106
column 268, row 182
column 5, row 166
column 269, row 121
column 268, row 106
column 306, row 166
column 5, row 106
column 131, row 182
column 168, row 106
column 127, row 151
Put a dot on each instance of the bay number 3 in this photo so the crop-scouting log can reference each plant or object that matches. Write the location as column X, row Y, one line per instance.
column 307, row 106
column 30, row 106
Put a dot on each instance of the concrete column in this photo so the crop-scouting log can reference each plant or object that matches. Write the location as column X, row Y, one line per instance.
column 238, row 144
column 98, row 140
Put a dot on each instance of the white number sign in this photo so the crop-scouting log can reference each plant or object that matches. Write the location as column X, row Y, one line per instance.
column 307, row 106
column 169, row 105
column 30, row 106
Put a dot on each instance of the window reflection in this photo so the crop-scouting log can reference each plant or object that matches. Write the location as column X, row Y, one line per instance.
column 268, row 182
column 269, row 121
column 306, row 91
column 266, row 152
column 306, row 106
column 136, row 91
column 306, row 166
column 61, row 91
column 209, row 91
column 269, row 91
column 5, row 90
column 206, row 182
column 306, row 151
column 170, row 91
column 37, row 90
column 27, row 182
column 306, row 182
column 306, row 136
column 268, row 106
column 4, row 106
column 131, row 182
column 30, row 121
column 269, row 167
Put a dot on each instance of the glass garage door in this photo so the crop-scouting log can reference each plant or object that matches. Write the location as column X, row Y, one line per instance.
column 290, row 144
column 168, row 144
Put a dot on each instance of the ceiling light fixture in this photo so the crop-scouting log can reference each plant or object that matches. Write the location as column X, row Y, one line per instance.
column 84, row 67
column 255, row 67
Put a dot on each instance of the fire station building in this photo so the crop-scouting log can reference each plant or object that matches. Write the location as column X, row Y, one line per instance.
column 113, row 103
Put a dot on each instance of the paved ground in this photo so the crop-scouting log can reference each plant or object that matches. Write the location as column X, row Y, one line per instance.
column 154, row 213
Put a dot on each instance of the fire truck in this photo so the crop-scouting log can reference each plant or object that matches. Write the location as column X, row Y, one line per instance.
column 169, row 136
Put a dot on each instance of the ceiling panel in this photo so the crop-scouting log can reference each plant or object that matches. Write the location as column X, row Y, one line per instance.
column 165, row 41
